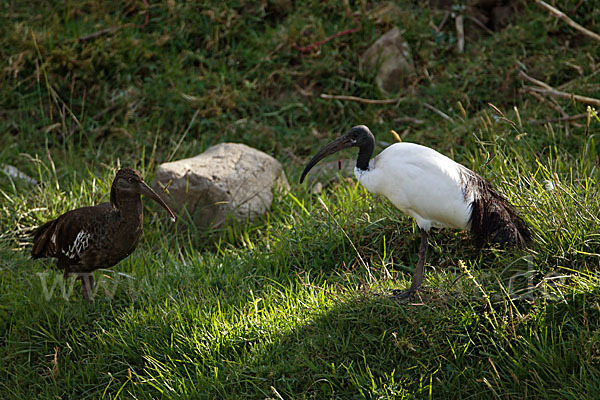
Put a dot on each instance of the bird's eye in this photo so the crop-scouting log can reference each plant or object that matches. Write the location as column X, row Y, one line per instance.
column 130, row 180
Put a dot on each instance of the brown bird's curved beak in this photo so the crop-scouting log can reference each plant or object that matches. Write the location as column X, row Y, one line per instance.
column 343, row 142
column 147, row 191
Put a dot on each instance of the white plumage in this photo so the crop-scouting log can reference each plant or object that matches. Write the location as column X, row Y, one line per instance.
column 433, row 189
column 422, row 183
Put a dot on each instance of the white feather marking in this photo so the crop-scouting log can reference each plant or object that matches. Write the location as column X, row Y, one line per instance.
column 79, row 246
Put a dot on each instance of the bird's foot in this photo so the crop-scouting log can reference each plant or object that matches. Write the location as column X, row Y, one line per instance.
column 402, row 296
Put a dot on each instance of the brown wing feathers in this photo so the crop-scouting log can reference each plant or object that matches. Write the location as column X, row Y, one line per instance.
column 44, row 240
column 64, row 238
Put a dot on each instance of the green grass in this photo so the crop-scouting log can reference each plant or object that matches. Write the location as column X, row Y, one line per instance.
column 285, row 307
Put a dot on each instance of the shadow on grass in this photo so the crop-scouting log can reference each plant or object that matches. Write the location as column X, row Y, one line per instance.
column 366, row 346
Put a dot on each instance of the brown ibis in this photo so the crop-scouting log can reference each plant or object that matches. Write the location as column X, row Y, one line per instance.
column 88, row 238
column 433, row 189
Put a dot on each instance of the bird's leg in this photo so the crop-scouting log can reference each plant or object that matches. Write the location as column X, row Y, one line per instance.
column 87, row 282
column 405, row 295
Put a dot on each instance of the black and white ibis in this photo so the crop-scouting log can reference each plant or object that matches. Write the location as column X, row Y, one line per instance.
column 433, row 189
column 88, row 238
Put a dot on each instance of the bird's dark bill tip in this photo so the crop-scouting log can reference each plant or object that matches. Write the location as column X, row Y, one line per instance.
column 305, row 172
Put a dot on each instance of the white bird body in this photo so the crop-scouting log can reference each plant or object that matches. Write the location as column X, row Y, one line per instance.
column 434, row 190
column 422, row 183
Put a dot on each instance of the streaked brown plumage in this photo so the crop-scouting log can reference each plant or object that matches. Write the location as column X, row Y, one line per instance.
column 88, row 238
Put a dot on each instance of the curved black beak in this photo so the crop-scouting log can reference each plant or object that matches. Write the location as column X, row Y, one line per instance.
column 343, row 142
column 147, row 190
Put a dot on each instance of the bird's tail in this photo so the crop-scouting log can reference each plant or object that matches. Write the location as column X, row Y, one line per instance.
column 43, row 245
column 493, row 218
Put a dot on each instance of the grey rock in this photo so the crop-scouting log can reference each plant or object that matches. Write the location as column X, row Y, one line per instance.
column 229, row 180
column 15, row 173
column 391, row 55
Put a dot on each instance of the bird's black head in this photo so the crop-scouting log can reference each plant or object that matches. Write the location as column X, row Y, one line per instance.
column 129, row 183
column 360, row 136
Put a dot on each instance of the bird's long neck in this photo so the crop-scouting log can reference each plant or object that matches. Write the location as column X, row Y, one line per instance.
column 364, row 154
column 128, row 204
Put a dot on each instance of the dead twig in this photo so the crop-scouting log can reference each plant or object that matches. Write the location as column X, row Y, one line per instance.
column 544, row 88
column 559, row 14
column 443, row 22
column 528, row 78
column 360, row 99
column 438, row 112
column 560, row 119
column 552, row 104
column 409, row 120
column 460, row 33
column 321, row 42
column 327, row 39
column 564, row 95
column 480, row 24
